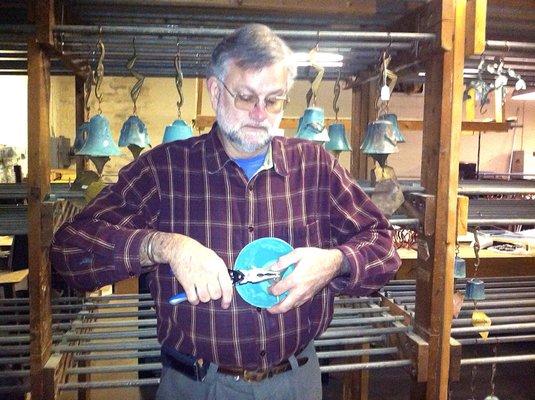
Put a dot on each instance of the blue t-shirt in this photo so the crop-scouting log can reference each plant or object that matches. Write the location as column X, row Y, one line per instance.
column 251, row 165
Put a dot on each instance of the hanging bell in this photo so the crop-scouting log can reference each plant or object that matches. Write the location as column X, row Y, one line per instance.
column 337, row 138
column 459, row 268
column 379, row 141
column 312, row 125
column 394, row 119
column 99, row 145
column 81, row 136
column 475, row 289
column 178, row 130
column 134, row 135
column 491, row 397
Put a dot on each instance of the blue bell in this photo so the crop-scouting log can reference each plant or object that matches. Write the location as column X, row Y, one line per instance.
column 134, row 135
column 135, row 132
column 179, row 130
column 475, row 289
column 99, row 142
column 379, row 138
column 81, row 136
column 459, row 268
column 312, row 125
column 337, row 138
column 394, row 119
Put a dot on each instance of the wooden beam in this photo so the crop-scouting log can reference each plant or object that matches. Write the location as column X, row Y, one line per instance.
column 467, row 126
column 81, row 69
column 476, row 22
column 38, row 189
column 440, row 160
column 42, row 16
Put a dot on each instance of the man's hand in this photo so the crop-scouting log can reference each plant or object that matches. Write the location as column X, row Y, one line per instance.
column 314, row 269
column 200, row 271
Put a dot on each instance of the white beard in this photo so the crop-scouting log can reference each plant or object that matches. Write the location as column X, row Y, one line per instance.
column 242, row 140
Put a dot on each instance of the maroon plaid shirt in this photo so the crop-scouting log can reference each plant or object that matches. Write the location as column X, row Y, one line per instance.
column 192, row 187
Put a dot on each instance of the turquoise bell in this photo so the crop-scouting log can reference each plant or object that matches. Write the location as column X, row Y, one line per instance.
column 178, row 130
column 475, row 289
column 99, row 142
column 379, row 141
column 393, row 118
column 81, row 136
column 312, row 125
column 134, row 135
column 337, row 138
column 459, row 268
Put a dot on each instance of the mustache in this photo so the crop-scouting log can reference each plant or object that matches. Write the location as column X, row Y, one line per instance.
column 265, row 127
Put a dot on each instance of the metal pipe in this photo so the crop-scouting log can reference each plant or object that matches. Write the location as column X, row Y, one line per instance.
column 141, row 333
column 108, row 384
column 116, row 356
column 338, row 333
column 498, row 360
column 507, row 311
column 25, row 388
column 344, row 341
column 497, row 320
column 367, row 365
column 345, row 311
column 221, row 32
column 14, row 374
column 357, row 352
column 507, row 45
column 494, row 328
column 362, row 321
column 354, row 300
column 500, row 339
column 146, row 344
column 14, row 360
column 103, row 369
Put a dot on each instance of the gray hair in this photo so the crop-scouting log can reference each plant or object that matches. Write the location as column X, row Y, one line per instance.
column 253, row 46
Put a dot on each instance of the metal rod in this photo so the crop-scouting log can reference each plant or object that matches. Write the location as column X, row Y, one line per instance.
column 498, row 320
column 14, row 360
column 494, row 328
column 141, row 333
column 506, row 45
column 117, row 356
column 147, row 344
column 357, row 352
column 109, row 384
column 501, row 339
column 367, row 365
column 221, row 32
column 355, row 300
column 14, row 374
column 103, row 369
column 362, row 321
column 338, row 333
column 498, row 360
column 344, row 341
column 346, row 311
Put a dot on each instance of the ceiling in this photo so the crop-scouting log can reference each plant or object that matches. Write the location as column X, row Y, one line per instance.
column 358, row 30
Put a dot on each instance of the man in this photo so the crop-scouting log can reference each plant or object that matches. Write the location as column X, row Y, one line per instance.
column 183, row 211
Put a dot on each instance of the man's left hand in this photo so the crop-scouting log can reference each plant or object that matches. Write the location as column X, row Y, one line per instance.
column 314, row 269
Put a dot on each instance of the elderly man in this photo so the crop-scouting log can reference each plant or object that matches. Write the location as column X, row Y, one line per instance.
column 182, row 212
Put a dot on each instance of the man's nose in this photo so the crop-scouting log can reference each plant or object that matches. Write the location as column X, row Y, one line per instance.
column 258, row 113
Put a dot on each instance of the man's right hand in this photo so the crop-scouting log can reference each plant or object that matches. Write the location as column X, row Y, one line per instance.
column 200, row 271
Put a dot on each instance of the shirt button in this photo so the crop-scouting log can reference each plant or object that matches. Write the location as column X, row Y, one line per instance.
column 258, row 309
column 250, row 187
column 251, row 228
column 263, row 353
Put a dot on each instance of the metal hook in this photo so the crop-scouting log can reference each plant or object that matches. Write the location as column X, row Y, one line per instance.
column 336, row 95
column 136, row 89
column 179, row 78
column 100, row 70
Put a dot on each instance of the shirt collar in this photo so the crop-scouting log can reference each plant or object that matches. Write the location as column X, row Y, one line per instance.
column 217, row 158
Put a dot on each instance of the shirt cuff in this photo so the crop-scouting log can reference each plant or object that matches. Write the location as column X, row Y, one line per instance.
column 127, row 246
column 340, row 283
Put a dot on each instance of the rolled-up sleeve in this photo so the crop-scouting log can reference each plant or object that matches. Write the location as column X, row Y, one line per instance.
column 364, row 236
column 101, row 244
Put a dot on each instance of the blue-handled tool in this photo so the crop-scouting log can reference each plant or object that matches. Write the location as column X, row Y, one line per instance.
column 253, row 275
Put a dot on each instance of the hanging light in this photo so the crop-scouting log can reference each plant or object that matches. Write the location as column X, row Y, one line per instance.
column 311, row 125
column 337, row 138
column 393, row 118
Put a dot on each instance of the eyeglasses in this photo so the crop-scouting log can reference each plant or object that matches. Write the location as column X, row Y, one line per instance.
column 246, row 102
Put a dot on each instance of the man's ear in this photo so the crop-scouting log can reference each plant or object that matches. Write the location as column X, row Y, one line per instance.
column 214, row 91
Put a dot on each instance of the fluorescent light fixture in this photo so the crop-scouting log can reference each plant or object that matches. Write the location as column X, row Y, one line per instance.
column 527, row 94
column 322, row 58
column 421, row 73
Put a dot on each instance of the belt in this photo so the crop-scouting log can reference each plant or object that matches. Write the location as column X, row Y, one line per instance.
column 197, row 369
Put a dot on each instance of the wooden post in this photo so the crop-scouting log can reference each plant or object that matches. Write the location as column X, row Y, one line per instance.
column 81, row 162
column 440, row 169
column 39, row 235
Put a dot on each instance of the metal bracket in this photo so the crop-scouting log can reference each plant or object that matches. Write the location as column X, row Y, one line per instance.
column 423, row 206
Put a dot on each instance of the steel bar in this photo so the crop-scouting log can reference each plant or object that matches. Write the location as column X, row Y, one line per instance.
column 498, row 320
column 104, row 369
column 221, row 32
column 117, row 356
column 488, row 297
column 507, row 45
column 499, row 339
column 357, row 352
column 361, row 321
column 354, row 300
column 14, row 360
column 346, row 311
column 344, row 341
column 84, row 315
column 108, row 384
column 14, row 374
column 367, row 365
column 25, row 388
column 141, row 333
column 339, row 333
column 494, row 328
column 498, row 360
column 82, row 306
column 58, row 300
column 488, row 285
column 483, row 304
column 506, row 311
column 147, row 344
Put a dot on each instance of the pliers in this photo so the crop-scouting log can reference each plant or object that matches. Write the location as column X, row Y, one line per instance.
column 253, row 275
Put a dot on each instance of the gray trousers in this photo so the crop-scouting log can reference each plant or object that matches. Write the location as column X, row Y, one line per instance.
column 299, row 383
